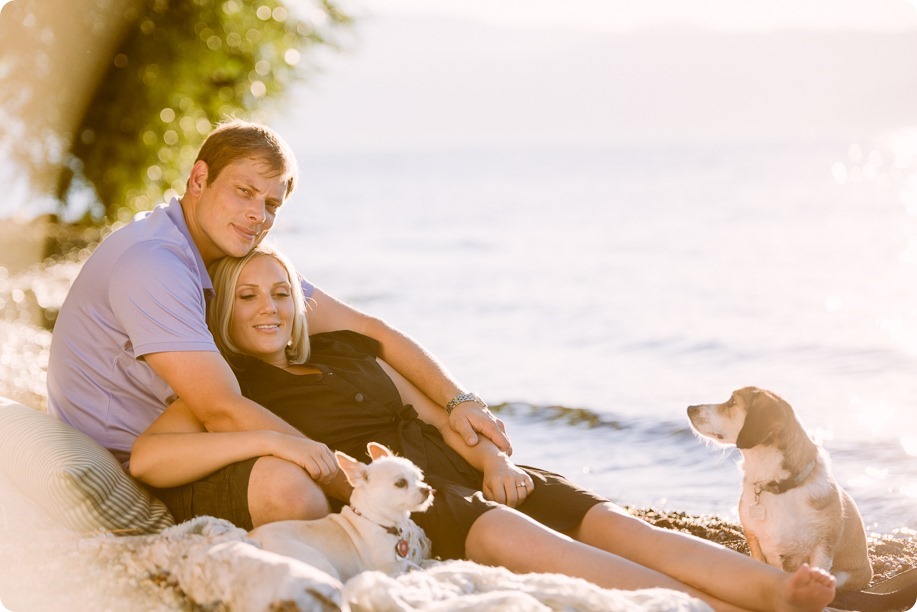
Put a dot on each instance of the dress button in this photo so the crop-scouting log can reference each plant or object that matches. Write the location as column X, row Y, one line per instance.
column 359, row 397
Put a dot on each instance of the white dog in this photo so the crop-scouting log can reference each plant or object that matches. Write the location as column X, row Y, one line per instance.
column 374, row 532
column 792, row 510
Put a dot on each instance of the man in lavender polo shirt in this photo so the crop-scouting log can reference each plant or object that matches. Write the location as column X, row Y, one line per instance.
column 131, row 336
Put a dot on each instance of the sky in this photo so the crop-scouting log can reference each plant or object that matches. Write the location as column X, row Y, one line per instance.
column 511, row 73
column 445, row 74
column 617, row 15
column 613, row 15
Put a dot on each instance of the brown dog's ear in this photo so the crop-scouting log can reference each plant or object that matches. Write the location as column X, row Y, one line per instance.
column 765, row 415
column 377, row 450
column 354, row 471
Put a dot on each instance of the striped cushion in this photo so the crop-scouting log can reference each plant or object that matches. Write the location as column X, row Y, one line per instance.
column 71, row 476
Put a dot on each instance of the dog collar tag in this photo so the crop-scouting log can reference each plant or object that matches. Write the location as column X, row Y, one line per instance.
column 402, row 548
column 757, row 512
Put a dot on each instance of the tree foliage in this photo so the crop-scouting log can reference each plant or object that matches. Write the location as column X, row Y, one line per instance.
column 183, row 66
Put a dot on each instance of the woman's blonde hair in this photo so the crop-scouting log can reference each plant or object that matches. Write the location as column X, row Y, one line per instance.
column 225, row 275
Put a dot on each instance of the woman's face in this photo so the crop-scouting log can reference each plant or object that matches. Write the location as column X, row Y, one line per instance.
column 262, row 311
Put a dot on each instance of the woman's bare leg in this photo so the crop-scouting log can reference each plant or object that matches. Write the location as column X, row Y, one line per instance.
column 507, row 538
column 279, row 490
column 709, row 567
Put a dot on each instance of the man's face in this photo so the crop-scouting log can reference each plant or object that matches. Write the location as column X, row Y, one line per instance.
column 236, row 210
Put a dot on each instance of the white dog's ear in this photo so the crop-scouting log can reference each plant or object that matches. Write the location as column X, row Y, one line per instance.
column 354, row 471
column 377, row 450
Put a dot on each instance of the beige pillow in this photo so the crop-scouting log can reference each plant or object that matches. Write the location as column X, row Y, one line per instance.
column 71, row 476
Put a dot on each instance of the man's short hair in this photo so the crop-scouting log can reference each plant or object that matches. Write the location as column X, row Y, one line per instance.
column 236, row 139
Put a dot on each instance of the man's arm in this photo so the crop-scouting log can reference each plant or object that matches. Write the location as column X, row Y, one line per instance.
column 410, row 359
column 208, row 387
column 503, row 481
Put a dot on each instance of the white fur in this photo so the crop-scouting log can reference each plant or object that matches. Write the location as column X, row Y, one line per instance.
column 815, row 521
column 385, row 493
column 467, row 586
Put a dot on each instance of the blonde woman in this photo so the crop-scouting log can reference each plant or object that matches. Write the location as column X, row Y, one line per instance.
column 334, row 390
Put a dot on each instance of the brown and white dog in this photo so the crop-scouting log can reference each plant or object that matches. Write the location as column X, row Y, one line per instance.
column 791, row 508
column 374, row 532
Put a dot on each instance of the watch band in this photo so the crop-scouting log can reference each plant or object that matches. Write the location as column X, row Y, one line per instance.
column 461, row 399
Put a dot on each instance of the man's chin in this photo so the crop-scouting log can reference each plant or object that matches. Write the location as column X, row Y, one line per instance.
column 239, row 249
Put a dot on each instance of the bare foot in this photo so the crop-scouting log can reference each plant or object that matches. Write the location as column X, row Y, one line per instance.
column 808, row 588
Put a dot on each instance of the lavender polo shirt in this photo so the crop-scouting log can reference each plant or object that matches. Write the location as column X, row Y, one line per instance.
column 142, row 291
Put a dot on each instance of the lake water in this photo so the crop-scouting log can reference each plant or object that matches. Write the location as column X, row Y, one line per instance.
column 598, row 293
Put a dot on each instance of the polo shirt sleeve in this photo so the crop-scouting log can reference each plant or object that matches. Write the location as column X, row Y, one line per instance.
column 307, row 288
column 156, row 294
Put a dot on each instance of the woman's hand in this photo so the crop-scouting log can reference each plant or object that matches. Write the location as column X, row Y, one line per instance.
column 504, row 482
column 316, row 458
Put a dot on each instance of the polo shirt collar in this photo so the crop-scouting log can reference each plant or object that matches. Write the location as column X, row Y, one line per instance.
column 176, row 214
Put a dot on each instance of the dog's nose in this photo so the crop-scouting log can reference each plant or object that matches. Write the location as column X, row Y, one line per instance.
column 692, row 410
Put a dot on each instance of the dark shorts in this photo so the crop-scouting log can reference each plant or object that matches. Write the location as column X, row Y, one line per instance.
column 556, row 503
column 223, row 494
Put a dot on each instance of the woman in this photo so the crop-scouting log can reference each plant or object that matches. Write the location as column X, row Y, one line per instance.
column 487, row 509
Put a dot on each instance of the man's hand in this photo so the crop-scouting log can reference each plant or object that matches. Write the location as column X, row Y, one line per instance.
column 314, row 457
column 469, row 419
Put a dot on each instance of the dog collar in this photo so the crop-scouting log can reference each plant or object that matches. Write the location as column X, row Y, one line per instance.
column 402, row 548
column 782, row 486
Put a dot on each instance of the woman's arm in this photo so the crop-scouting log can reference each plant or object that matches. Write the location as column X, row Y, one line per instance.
column 176, row 449
column 501, row 476
column 325, row 313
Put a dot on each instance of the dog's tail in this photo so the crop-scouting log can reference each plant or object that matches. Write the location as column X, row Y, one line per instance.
column 897, row 593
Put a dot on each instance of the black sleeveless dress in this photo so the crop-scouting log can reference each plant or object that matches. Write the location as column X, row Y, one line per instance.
column 353, row 402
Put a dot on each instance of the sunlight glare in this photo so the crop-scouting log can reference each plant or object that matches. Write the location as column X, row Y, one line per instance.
column 909, row 443
column 877, row 473
column 907, row 256
column 903, row 336
column 821, row 435
column 875, row 417
column 839, row 172
column 903, row 144
column 909, row 200
column 855, row 153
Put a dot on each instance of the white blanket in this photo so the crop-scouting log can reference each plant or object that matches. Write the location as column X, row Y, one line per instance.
column 208, row 561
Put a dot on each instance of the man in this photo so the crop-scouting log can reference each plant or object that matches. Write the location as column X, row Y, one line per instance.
column 132, row 336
